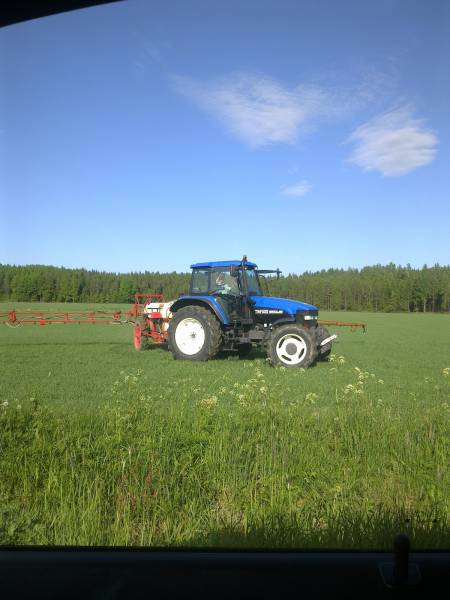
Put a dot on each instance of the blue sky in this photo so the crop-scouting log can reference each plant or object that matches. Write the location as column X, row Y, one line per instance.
column 148, row 135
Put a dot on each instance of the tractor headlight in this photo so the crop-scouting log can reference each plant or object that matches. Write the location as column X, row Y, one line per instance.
column 310, row 317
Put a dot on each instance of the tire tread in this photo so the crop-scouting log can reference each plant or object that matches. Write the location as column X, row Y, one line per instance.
column 213, row 333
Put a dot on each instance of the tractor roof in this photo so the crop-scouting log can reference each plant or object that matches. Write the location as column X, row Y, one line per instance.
column 223, row 263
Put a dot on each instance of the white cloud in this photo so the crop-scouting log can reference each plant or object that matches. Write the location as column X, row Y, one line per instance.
column 258, row 110
column 393, row 143
column 297, row 189
column 261, row 111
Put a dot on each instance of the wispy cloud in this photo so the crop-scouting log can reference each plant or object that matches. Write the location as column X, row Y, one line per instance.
column 297, row 189
column 258, row 110
column 393, row 143
column 150, row 49
column 262, row 111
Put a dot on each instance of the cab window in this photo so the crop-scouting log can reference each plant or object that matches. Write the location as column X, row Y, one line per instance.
column 199, row 283
column 222, row 282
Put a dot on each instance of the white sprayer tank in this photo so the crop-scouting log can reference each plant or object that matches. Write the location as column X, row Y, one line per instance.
column 152, row 309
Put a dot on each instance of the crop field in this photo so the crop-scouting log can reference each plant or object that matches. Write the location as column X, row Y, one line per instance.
column 103, row 445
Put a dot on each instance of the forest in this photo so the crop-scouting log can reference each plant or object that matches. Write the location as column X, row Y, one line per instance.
column 378, row 288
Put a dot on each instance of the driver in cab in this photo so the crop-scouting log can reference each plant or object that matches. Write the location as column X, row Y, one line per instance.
column 226, row 284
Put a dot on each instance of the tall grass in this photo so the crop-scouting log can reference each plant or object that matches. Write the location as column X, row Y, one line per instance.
column 239, row 462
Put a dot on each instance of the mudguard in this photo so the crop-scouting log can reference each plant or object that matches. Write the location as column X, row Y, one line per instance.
column 210, row 301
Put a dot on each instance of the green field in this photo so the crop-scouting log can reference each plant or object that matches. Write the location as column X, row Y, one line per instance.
column 103, row 445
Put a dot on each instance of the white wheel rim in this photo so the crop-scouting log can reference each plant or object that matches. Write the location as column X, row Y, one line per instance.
column 190, row 336
column 291, row 349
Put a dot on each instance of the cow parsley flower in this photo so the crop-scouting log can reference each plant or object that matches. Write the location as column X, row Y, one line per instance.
column 209, row 402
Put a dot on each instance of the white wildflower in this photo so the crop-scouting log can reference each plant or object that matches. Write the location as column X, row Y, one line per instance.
column 209, row 402
column 311, row 397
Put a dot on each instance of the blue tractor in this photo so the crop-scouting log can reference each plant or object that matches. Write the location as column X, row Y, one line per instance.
column 226, row 310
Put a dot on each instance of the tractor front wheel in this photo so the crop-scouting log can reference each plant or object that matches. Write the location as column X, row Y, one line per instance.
column 194, row 334
column 291, row 346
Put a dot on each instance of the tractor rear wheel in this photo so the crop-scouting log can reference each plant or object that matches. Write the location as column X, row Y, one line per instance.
column 321, row 334
column 291, row 346
column 194, row 334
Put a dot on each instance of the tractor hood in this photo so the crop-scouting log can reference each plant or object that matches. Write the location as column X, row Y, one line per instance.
column 289, row 306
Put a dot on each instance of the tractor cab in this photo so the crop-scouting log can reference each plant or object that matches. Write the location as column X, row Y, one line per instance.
column 230, row 283
column 225, row 277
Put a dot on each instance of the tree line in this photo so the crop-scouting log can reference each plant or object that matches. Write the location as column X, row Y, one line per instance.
column 384, row 288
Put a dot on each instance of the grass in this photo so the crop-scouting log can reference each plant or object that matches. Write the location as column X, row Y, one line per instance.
column 102, row 445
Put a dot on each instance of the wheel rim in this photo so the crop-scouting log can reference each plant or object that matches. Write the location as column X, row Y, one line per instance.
column 190, row 336
column 291, row 349
column 137, row 339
